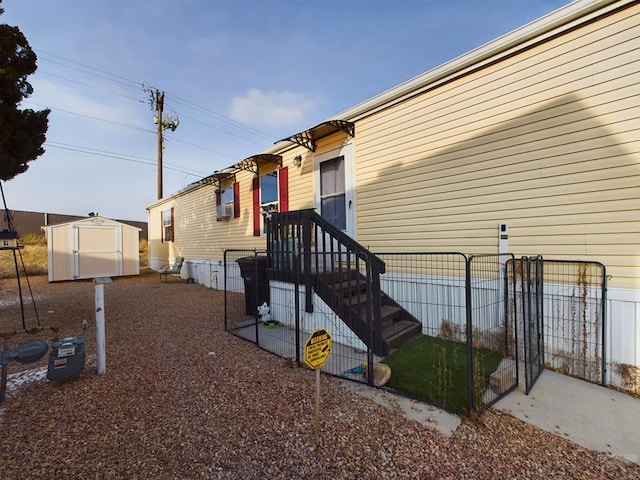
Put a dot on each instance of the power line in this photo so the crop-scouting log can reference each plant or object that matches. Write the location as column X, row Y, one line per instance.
column 183, row 101
column 132, row 82
column 221, row 117
column 100, row 153
column 220, row 129
column 89, row 116
column 202, row 148
column 89, row 86
column 80, row 147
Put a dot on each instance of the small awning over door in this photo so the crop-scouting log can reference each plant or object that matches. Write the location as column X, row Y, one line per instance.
column 309, row 138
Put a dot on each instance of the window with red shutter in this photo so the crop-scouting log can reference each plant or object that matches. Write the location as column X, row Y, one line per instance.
column 167, row 225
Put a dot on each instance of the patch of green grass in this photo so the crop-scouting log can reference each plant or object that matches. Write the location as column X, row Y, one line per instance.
column 436, row 370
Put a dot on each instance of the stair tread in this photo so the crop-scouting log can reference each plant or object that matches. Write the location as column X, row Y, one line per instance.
column 356, row 299
column 400, row 327
column 389, row 311
column 349, row 287
column 338, row 276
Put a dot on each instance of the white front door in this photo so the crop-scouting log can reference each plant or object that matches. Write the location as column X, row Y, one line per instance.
column 334, row 196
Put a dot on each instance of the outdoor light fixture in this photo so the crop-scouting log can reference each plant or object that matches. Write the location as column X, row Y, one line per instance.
column 297, row 160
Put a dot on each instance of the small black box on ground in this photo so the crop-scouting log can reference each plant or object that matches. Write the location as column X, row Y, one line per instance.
column 66, row 359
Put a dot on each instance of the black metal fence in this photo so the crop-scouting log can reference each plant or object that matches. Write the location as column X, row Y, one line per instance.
column 481, row 319
column 247, row 288
column 461, row 356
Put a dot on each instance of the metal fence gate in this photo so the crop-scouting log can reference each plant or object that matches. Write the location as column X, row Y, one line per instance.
column 532, row 305
column 574, row 318
column 561, row 314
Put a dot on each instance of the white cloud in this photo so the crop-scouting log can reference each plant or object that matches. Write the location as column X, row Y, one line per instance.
column 271, row 109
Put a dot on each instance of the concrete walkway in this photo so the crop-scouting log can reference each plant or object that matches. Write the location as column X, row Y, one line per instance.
column 595, row 417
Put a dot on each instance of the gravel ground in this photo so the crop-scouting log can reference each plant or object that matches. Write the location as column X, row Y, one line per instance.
column 183, row 399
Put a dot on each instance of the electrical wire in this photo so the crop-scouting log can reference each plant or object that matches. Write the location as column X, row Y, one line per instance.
column 90, row 86
column 90, row 116
column 116, row 156
column 132, row 83
column 187, row 103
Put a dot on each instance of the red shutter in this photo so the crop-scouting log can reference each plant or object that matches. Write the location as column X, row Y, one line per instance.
column 256, row 206
column 236, row 200
column 172, row 221
column 283, row 189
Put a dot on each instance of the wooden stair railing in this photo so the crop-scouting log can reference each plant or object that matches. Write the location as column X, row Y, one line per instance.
column 345, row 274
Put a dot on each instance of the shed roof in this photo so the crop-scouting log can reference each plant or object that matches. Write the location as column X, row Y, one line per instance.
column 96, row 220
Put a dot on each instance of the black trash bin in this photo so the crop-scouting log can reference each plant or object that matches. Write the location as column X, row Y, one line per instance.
column 256, row 282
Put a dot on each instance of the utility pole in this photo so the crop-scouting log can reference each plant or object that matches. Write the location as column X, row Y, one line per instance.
column 163, row 122
column 159, row 109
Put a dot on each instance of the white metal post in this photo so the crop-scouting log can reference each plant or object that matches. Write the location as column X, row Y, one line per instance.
column 100, row 333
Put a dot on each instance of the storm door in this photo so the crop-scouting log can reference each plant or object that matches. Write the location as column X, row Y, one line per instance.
column 334, row 201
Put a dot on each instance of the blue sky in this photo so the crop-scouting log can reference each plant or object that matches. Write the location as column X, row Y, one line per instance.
column 239, row 75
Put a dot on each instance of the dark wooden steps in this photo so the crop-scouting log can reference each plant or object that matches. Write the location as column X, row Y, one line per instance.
column 346, row 294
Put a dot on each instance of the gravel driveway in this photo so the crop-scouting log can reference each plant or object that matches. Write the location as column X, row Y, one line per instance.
column 183, row 399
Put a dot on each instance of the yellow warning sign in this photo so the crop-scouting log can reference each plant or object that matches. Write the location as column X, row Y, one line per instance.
column 317, row 348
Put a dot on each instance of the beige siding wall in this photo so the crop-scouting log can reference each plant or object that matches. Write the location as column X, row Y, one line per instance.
column 200, row 235
column 547, row 140
column 159, row 252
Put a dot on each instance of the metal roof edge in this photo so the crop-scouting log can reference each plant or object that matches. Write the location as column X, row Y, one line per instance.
column 94, row 219
column 192, row 186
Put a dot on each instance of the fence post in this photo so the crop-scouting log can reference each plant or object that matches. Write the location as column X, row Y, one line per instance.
column 306, row 260
column 370, row 324
column 224, row 260
column 469, row 314
column 603, row 308
column 296, row 301
column 512, row 261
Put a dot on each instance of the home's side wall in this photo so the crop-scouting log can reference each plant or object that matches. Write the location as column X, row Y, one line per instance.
column 159, row 252
column 199, row 236
column 546, row 141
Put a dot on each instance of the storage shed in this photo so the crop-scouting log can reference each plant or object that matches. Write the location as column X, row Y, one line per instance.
column 92, row 247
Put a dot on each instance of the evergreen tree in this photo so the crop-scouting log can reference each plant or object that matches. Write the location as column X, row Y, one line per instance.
column 22, row 132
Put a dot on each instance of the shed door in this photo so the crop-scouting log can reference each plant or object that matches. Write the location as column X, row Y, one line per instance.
column 97, row 251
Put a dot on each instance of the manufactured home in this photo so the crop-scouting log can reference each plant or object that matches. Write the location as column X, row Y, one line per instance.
column 528, row 145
